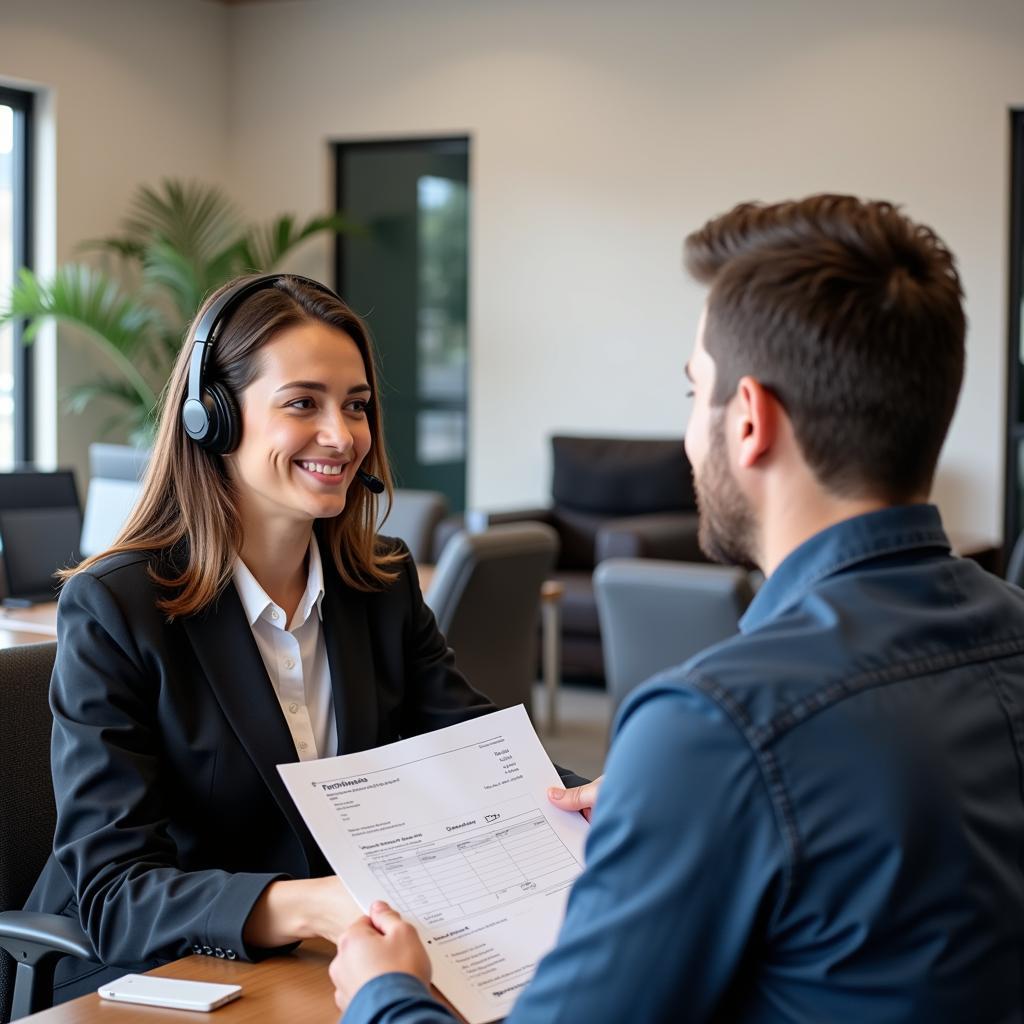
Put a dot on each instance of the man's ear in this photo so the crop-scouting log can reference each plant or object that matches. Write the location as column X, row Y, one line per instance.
column 755, row 421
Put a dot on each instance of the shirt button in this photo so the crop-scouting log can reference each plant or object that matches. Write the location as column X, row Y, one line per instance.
column 207, row 951
column 289, row 663
column 303, row 744
column 293, row 708
column 219, row 952
column 230, row 954
column 197, row 949
column 274, row 615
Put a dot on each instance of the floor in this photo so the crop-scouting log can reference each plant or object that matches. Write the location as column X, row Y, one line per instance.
column 580, row 741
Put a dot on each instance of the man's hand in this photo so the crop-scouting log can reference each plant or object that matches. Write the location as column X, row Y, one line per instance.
column 579, row 798
column 376, row 945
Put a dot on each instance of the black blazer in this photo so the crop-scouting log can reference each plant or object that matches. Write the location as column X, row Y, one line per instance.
column 171, row 816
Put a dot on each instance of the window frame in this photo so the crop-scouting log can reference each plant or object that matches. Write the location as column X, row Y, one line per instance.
column 22, row 102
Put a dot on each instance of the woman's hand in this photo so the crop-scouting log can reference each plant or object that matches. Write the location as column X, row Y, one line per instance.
column 579, row 798
column 301, row 908
column 376, row 945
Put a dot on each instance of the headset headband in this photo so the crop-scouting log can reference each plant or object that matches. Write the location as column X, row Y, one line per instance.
column 220, row 312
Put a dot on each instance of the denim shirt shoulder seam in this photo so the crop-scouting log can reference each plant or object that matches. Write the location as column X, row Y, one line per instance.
column 764, row 735
column 778, row 798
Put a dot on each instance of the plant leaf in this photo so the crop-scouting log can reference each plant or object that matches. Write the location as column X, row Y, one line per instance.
column 118, row 324
column 120, row 245
column 197, row 220
column 265, row 245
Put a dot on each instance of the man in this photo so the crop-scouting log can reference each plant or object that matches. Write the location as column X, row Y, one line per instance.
column 836, row 832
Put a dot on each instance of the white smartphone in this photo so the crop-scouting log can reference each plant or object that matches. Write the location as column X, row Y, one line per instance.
column 171, row 992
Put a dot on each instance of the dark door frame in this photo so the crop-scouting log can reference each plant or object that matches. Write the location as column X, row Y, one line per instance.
column 23, row 104
column 1014, row 379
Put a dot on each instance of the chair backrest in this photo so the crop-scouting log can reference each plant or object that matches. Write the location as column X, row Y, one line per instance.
column 485, row 594
column 115, row 482
column 413, row 517
column 657, row 614
column 1015, row 564
column 595, row 479
column 27, row 810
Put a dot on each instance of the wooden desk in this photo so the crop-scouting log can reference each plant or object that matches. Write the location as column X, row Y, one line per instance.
column 32, row 625
column 295, row 989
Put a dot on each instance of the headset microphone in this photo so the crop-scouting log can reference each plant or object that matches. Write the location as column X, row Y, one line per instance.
column 370, row 482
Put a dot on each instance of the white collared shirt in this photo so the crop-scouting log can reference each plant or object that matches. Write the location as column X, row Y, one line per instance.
column 296, row 657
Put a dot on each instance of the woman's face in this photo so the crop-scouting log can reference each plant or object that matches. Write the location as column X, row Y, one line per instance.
column 305, row 428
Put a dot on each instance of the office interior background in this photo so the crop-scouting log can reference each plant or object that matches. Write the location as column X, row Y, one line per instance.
column 600, row 134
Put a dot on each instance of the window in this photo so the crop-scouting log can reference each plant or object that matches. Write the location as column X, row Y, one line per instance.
column 15, row 253
column 407, row 271
column 1014, row 512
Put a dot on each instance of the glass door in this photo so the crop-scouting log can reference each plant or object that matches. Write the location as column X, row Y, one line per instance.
column 407, row 272
column 15, row 253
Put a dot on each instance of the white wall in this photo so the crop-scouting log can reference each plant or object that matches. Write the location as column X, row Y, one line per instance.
column 602, row 133
column 134, row 90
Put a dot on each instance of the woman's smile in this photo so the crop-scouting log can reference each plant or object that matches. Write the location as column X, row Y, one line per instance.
column 326, row 471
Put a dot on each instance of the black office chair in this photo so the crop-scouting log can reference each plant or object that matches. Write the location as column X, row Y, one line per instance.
column 485, row 595
column 31, row 944
column 1015, row 563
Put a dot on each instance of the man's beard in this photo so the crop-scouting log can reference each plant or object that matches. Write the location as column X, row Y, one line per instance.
column 728, row 529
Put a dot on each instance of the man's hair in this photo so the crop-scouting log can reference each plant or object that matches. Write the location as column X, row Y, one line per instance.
column 851, row 315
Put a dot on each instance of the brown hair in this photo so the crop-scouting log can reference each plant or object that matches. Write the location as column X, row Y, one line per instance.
column 187, row 514
column 850, row 313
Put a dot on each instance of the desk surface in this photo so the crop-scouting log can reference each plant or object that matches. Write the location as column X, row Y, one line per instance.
column 34, row 625
column 294, row 988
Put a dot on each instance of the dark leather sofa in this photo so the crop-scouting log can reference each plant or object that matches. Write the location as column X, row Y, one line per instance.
column 611, row 498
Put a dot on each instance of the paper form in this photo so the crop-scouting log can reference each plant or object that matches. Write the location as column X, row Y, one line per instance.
column 453, row 828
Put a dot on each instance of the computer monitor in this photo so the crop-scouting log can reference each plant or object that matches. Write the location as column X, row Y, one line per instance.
column 40, row 528
column 30, row 488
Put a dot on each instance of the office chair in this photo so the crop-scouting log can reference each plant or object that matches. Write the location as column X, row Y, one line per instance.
column 485, row 594
column 1015, row 563
column 414, row 516
column 32, row 943
column 657, row 614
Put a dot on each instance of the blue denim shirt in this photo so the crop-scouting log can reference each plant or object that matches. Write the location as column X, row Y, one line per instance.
column 820, row 819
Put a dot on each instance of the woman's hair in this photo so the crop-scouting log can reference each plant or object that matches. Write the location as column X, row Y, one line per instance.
column 187, row 514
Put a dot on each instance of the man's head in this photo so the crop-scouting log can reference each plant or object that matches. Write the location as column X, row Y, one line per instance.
column 845, row 318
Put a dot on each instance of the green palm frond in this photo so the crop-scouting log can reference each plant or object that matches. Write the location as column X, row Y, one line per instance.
column 265, row 245
column 131, row 416
column 76, row 399
column 119, row 245
column 94, row 303
column 165, row 266
column 198, row 220
column 180, row 241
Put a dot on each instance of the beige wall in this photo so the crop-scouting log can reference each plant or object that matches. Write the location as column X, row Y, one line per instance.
column 604, row 131
column 133, row 90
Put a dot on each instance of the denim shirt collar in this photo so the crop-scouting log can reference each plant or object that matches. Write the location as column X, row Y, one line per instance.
column 887, row 531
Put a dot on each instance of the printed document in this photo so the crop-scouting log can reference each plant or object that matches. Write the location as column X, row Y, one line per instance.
column 454, row 830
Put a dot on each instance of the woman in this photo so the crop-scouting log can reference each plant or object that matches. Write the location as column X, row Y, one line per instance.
column 247, row 615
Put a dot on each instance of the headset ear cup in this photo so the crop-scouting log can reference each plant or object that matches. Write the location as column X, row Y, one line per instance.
column 225, row 420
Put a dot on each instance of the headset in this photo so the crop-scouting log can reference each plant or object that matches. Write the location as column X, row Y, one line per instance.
column 210, row 413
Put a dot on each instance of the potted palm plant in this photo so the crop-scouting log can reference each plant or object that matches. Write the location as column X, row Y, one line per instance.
column 179, row 241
